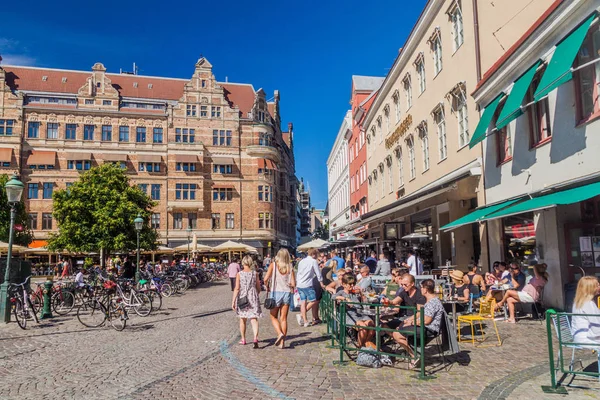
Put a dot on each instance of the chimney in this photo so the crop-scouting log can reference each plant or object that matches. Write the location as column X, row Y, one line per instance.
column 290, row 127
column 276, row 95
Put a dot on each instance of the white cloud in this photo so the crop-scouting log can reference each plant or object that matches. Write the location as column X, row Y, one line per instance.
column 18, row 59
column 13, row 53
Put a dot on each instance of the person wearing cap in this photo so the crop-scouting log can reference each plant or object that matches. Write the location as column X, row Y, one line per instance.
column 460, row 290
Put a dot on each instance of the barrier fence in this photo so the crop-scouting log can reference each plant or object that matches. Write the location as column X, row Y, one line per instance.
column 560, row 323
column 334, row 315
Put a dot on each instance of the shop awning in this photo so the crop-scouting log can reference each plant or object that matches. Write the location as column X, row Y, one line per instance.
column 477, row 215
column 78, row 156
column 262, row 163
column 6, row 155
column 271, row 165
column 485, row 120
column 512, row 106
column 222, row 160
column 569, row 196
column 186, row 158
column 149, row 158
column 112, row 157
column 42, row 158
column 223, row 186
column 559, row 67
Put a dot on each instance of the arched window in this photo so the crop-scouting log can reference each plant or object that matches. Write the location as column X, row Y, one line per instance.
column 410, row 144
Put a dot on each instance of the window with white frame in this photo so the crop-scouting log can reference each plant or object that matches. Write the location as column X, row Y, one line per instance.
column 396, row 99
column 420, row 66
column 375, row 186
column 438, row 116
column 410, row 144
column 400, row 167
column 352, row 185
column 381, row 167
column 422, row 130
column 437, row 53
column 386, row 113
column 362, row 138
column 407, row 91
column 390, row 176
column 463, row 119
column 457, row 26
column 379, row 129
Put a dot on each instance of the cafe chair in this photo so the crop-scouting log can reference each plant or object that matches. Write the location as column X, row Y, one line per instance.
column 486, row 313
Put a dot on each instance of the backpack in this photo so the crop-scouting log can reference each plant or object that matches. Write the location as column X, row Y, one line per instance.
column 370, row 360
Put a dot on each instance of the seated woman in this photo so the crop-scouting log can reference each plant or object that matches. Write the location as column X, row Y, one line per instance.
column 336, row 285
column 586, row 328
column 529, row 294
column 351, row 294
column 492, row 277
column 433, row 313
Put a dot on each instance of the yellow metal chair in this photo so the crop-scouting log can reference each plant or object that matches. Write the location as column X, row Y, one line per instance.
column 486, row 313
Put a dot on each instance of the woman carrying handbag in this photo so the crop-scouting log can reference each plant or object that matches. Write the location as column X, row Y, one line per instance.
column 245, row 300
column 281, row 281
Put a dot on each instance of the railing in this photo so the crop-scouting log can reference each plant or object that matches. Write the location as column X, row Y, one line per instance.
column 334, row 315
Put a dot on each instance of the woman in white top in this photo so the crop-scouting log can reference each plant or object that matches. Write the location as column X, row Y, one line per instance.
column 281, row 281
column 586, row 328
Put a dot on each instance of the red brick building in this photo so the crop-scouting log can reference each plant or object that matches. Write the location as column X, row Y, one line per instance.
column 211, row 154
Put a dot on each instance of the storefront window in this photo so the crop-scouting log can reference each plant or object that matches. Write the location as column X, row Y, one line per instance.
column 519, row 239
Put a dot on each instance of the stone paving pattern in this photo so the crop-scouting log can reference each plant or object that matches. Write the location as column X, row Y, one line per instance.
column 189, row 351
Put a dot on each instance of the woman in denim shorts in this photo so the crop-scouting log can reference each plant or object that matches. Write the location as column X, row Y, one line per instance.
column 281, row 281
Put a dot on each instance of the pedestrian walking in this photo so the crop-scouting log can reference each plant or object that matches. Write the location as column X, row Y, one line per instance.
column 245, row 300
column 307, row 270
column 281, row 281
column 232, row 271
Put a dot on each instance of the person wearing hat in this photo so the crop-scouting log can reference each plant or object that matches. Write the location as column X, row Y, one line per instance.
column 460, row 290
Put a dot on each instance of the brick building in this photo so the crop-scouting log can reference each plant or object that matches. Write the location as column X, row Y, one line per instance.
column 211, row 154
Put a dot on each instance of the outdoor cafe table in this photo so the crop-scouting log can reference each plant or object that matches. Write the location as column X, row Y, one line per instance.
column 453, row 303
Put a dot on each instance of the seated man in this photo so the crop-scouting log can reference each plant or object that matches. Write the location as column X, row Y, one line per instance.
column 433, row 313
column 365, row 282
column 408, row 296
column 351, row 294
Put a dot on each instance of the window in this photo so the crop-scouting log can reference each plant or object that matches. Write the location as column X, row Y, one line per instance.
column 222, row 194
column 463, row 120
column 190, row 110
column 265, row 139
column 89, row 101
column 376, row 187
column 387, row 120
column 215, row 221
column 184, row 135
column 149, row 167
column 408, row 92
column 32, row 190
column 539, row 117
column 221, row 138
column 177, row 220
column 143, row 187
column 71, row 132
column 6, row 127
column 5, row 164
column 47, row 191
column 420, row 65
column 215, row 112
column 52, row 130
column 33, row 221
column 106, row 133
column 157, row 135
column 379, row 129
column 46, row 221
column 80, row 165
column 88, row 132
column 390, row 178
column 410, row 143
column 229, row 221
column 438, row 116
column 457, row 27
column 185, row 167
column 33, row 130
column 107, row 102
column 396, row 99
column 140, row 134
column 155, row 192
column 185, row 191
column 504, row 144
column 352, row 184
column 155, row 221
column 424, row 146
column 265, row 193
column 437, row 54
column 362, row 138
column 265, row 220
column 123, row 134
column 222, row 169
column 192, row 220
column 382, row 176
column 203, row 111
column 400, row 168
column 203, row 83
column 50, row 100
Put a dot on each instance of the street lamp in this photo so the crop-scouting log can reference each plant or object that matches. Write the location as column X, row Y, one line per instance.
column 14, row 190
column 189, row 234
column 139, row 223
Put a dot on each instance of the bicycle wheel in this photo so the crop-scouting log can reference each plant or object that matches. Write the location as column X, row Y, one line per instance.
column 32, row 312
column 37, row 301
column 92, row 313
column 20, row 314
column 117, row 315
column 166, row 289
column 155, row 299
column 63, row 302
column 143, row 305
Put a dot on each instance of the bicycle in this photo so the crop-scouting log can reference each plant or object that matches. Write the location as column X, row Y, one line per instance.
column 92, row 313
column 21, row 304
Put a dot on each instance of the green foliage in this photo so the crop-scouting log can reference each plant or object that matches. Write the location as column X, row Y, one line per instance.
column 322, row 232
column 88, row 263
column 97, row 212
column 22, row 238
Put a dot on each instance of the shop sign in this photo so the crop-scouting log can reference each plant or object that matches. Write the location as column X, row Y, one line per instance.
column 360, row 229
column 283, row 242
column 400, row 130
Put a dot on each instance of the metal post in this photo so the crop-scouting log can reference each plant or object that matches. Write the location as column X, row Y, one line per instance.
column 137, row 267
column 422, row 344
column 47, row 311
column 4, row 306
column 553, row 388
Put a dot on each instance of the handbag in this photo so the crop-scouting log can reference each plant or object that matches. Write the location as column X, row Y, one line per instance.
column 242, row 301
column 270, row 302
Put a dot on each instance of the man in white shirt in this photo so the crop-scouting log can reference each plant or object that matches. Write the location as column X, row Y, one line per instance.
column 414, row 264
column 308, row 268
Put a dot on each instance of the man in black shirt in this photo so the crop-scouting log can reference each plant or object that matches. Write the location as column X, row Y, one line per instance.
column 410, row 297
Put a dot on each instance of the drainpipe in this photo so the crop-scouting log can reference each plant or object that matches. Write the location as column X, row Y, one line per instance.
column 241, row 181
column 477, row 44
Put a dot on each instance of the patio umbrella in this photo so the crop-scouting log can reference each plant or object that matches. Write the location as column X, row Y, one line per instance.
column 199, row 248
column 251, row 249
column 313, row 244
column 15, row 247
column 229, row 247
column 37, row 250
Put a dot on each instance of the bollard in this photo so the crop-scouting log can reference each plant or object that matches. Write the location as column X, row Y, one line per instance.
column 47, row 310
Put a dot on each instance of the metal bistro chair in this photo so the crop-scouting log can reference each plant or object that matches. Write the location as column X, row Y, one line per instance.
column 486, row 313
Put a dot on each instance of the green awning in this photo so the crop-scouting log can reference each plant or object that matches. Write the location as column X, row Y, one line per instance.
column 550, row 200
column 477, row 215
column 559, row 67
column 512, row 106
column 484, row 121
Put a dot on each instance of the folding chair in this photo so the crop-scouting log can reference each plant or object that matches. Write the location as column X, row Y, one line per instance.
column 486, row 313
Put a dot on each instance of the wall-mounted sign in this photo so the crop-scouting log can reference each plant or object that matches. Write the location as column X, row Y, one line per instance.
column 400, row 130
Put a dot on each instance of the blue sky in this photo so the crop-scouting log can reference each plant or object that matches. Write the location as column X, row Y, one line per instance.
column 307, row 49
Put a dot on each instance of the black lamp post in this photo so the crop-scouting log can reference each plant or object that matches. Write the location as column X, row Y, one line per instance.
column 139, row 223
column 189, row 237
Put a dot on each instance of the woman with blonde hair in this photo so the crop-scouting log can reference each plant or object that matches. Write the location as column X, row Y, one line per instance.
column 281, row 280
column 586, row 328
column 247, row 288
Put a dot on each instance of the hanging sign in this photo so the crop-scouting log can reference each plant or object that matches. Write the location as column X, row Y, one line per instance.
column 400, row 130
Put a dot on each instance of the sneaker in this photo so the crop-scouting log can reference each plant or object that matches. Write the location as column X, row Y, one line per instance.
column 307, row 324
column 299, row 319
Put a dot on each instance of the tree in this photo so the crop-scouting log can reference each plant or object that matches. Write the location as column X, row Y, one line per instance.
column 22, row 237
column 322, row 232
column 97, row 212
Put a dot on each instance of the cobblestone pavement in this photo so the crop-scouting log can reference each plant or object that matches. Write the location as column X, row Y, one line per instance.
column 192, row 353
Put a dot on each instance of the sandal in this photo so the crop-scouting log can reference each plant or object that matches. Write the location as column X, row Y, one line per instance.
column 242, row 342
column 415, row 363
column 279, row 339
column 511, row 321
column 255, row 346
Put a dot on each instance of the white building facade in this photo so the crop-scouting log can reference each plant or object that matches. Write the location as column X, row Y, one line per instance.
column 338, row 179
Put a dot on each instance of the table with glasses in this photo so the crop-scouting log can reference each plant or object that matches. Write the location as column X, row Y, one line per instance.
column 453, row 303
